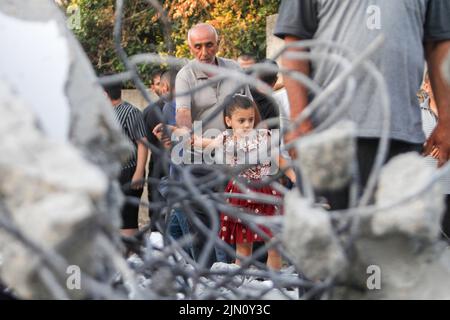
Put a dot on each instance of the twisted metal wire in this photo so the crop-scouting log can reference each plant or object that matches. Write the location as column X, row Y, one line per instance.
column 169, row 272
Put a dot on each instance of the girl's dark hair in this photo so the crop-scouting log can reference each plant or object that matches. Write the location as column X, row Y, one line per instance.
column 239, row 101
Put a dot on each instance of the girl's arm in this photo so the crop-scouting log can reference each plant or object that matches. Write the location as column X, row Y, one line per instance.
column 199, row 141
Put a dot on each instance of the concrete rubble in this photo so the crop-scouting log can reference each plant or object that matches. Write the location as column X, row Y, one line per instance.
column 419, row 217
column 49, row 204
column 309, row 238
column 60, row 195
column 246, row 286
column 404, row 242
column 57, row 195
column 326, row 157
column 396, row 255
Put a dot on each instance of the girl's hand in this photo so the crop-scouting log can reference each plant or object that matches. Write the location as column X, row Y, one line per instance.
column 197, row 141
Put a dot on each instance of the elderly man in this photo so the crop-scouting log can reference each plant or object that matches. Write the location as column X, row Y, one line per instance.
column 203, row 42
column 413, row 30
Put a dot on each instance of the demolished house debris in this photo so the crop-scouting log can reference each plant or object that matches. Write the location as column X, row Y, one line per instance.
column 60, row 202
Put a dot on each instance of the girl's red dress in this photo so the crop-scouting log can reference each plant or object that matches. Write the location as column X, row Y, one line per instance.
column 232, row 230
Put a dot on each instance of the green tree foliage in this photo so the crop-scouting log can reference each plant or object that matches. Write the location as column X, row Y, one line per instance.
column 240, row 23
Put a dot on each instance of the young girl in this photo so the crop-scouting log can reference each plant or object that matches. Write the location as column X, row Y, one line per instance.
column 240, row 143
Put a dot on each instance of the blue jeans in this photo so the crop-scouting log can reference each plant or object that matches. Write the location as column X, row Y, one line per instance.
column 178, row 227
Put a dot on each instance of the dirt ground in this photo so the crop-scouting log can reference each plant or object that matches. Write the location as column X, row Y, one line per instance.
column 143, row 211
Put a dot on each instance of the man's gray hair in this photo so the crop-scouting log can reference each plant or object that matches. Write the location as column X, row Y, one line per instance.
column 202, row 25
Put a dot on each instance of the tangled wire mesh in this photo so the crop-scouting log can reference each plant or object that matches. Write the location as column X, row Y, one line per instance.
column 165, row 270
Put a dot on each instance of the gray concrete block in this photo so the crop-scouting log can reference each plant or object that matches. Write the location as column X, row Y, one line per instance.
column 420, row 217
column 309, row 238
column 51, row 205
column 326, row 158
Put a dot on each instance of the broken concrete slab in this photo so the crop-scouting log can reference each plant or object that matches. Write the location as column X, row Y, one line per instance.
column 52, row 206
column 326, row 158
column 419, row 217
column 406, row 270
column 66, row 190
column 92, row 127
column 309, row 237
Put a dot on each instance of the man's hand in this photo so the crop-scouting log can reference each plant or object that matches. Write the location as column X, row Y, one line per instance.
column 137, row 181
column 183, row 131
column 159, row 133
column 440, row 140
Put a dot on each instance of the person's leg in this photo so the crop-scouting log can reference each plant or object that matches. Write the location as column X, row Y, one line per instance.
column 366, row 153
column 185, row 229
column 221, row 255
column 336, row 199
column 130, row 211
column 445, row 225
column 130, row 223
column 367, row 149
column 174, row 227
column 274, row 260
column 154, row 193
column 256, row 246
column 200, row 238
column 129, row 232
column 243, row 250
column 130, row 215
column 150, row 185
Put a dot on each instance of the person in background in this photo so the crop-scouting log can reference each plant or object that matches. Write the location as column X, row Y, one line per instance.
column 429, row 121
column 348, row 24
column 178, row 225
column 246, row 60
column 155, row 85
column 132, row 174
column 267, row 106
column 151, row 119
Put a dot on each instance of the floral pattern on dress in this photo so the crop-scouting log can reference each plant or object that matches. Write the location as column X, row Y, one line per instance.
column 248, row 147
